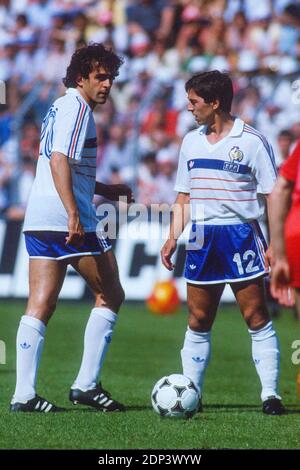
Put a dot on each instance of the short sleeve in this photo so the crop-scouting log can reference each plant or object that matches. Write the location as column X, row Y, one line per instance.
column 182, row 184
column 70, row 127
column 265, row 170
column 289, row 168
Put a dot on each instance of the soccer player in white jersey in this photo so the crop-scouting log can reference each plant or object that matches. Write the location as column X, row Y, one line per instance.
column 60, row 229
column 225, row 167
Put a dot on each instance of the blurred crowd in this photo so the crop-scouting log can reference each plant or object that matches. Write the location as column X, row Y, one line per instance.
column 164, row 42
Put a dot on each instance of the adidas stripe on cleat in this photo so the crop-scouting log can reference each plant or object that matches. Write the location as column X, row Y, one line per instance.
column 36, row 405
column 97, row 398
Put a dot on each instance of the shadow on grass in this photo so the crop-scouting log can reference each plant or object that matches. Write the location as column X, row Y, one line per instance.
column 227, row 408
column 290, row 409
column 83, row 408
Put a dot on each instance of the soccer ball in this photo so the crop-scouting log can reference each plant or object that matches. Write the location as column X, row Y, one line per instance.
column 175, row 396
column 164, row 298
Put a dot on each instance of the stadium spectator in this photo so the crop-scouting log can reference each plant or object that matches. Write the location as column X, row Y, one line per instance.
column 148, row 187
column 185, row 37
column 150, row 16
column 60, row 229
column 5, row 178
column 285, row 141
column 222, row 190
column 285, row 232
column 117, row 154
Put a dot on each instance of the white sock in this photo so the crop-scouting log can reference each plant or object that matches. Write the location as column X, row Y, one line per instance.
column 30, row 342
column 266, row 355
column 195, row 355
column 98, row 333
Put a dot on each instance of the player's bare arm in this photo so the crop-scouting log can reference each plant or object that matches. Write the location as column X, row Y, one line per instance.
column 180, row 218
column 114, row 191
column 62, row 178
column 278, row 207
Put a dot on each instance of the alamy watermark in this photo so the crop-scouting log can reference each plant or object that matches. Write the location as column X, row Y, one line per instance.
column 2, row 92
column 161, row 216
column 296, row 354
column 2, row 352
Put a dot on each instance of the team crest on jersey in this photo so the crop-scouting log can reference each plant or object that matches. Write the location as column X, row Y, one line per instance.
column 236, row 154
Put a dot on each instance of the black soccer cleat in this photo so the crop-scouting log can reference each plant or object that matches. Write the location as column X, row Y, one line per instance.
column 97, row 398
column 273, row 406
column 36, row 405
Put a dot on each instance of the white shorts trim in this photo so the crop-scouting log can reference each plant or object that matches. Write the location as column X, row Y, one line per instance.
column 90, row 253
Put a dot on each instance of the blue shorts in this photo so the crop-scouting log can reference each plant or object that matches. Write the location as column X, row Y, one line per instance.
column 52, row 245
column 230, row 253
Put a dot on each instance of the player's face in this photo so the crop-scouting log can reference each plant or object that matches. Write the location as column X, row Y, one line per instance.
column 95, row 89
column 202, row 112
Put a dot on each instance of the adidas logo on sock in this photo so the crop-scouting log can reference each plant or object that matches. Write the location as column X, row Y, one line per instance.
column 198, row 359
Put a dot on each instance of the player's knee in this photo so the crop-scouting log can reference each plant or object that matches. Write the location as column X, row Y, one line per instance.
column 113, row 299
column 42, row 309
column 199, row 324
column 256, row 316
column 198, row 319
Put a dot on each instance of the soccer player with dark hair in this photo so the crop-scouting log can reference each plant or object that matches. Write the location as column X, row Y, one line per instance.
column 60, row 229
column 223, row 166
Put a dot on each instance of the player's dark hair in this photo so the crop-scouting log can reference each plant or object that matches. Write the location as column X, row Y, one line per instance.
column 286, row 133
column 211, row 86
column 86, row 59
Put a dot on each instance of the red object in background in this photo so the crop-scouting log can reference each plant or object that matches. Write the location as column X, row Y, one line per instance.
column 165, row 121
column 290, row 170
column 164, row 299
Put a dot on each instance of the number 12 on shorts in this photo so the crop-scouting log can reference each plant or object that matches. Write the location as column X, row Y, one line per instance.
column 249, row 257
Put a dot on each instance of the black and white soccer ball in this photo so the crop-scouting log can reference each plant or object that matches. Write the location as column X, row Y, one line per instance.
column 175, row 396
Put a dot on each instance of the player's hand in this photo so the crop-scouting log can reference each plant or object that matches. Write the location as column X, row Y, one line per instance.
column 166, row 253
column 76, row 232
column 280, row 279
column 269, row 257
column 115, row 191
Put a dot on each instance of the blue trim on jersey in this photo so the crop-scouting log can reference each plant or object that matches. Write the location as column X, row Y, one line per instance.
column 214, row 164
column 82, row 121
column 75, row 126
column 52, row 245
column 250, row 130
column 225, row 253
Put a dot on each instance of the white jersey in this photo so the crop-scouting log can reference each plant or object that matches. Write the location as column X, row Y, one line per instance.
column 68, row 128
column 226, row 178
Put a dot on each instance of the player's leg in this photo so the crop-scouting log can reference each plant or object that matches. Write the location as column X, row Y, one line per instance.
column 250, row 296
column 45, row 281
column 46, row 277
column 203, row 303
column 101, row 274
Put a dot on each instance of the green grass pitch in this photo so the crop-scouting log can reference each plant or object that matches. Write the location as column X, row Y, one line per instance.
column 144, row 348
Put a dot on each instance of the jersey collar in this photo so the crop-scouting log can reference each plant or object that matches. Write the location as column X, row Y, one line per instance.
column 74, row 91
column 237, row 128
